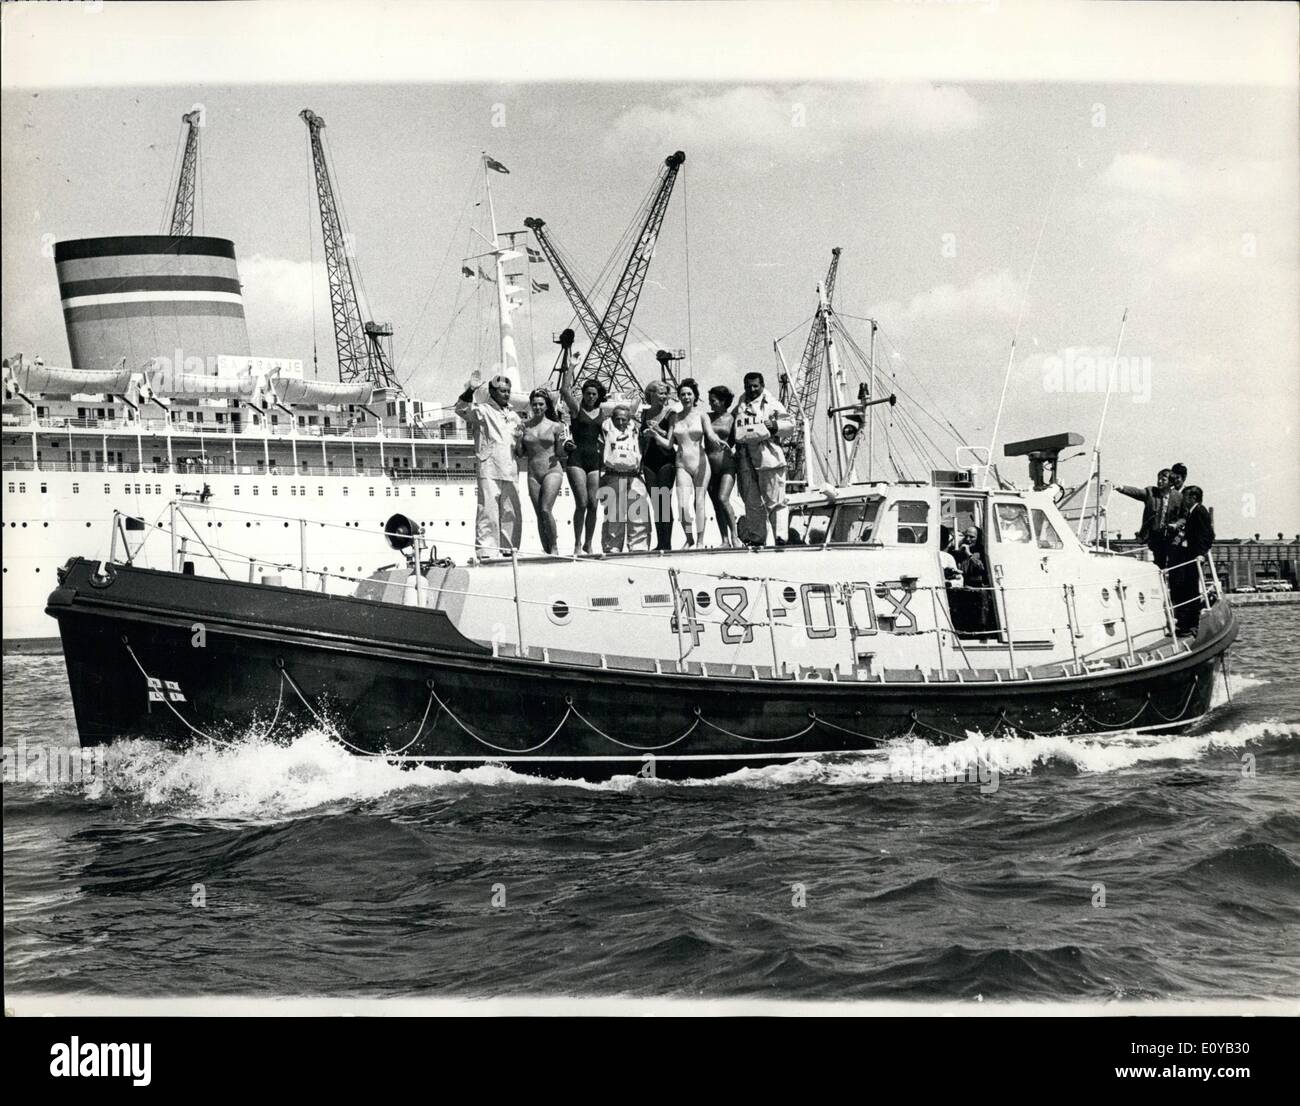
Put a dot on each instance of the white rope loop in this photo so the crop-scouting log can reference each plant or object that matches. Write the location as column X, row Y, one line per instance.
column 571, row 711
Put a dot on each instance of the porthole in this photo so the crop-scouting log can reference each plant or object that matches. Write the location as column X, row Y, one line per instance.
column 789, row 595
column 1142, row 599
column 559, row 612
column 1105, row 597
column 703, row 599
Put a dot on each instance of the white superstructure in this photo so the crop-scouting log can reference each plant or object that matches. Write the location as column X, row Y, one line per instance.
column 71, row 461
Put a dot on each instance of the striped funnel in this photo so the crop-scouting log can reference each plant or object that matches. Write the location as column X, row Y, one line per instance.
column 146, row 296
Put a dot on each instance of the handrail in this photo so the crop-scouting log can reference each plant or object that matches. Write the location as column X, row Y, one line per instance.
column 244, row 429
column 520, row 600
column 218, row 468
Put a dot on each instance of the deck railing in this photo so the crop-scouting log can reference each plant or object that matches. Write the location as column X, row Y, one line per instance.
column 245, row 429
column 954, row 647
column 218, row 468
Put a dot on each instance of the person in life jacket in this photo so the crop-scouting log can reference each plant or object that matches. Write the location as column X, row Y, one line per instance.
column 759, row 425
column 627, row 517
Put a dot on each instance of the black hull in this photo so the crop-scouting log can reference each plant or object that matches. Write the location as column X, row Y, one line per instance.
column 229, row 659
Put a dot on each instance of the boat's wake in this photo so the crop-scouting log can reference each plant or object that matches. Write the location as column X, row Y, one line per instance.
column 255, row 778
column 313, row 774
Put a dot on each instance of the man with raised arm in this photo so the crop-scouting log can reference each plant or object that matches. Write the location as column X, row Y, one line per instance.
column 496, row 428
column 1160, row 506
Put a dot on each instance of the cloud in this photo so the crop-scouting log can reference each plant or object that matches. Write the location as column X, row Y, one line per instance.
column 1165, row 178
column 1198, row 223
column 279, row 286
column 757, row 115
column 278, row 297
column 989, row 295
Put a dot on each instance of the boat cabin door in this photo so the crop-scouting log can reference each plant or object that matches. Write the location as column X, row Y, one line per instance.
column 963, row 533
column 1023, row 544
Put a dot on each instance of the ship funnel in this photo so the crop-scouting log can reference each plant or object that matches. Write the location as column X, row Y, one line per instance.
column 141, row 297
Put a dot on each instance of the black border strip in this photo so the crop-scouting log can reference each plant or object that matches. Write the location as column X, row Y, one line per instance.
column 79, row 249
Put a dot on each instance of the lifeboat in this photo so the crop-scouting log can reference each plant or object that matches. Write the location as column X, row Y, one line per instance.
column 858, row 631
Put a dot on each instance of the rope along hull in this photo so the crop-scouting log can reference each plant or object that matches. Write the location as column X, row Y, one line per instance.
column 184, row 659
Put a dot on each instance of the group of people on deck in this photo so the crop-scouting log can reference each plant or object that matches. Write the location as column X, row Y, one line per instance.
column 1178, row 529
column 637, row 459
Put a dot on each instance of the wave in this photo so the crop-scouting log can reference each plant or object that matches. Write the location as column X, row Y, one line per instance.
column 257, row 779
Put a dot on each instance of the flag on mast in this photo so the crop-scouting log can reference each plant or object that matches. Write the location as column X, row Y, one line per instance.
column 540, row 286
column 534, row 255
column 494, row 165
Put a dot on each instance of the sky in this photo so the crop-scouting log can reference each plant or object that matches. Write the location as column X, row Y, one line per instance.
column 972, row 204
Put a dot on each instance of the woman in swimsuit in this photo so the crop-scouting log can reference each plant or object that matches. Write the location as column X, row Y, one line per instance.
column 541, row 444
column 586, row 415
column 691, row 435
column 657, row 459
column 722, row 462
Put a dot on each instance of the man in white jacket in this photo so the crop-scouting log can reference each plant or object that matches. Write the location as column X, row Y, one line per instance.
column 496, row 428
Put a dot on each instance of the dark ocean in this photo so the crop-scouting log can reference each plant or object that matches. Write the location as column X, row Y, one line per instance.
column 1135, row 867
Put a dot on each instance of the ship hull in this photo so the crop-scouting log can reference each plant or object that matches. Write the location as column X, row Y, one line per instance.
column 182, row 659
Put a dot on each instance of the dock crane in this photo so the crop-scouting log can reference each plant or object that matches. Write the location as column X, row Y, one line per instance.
column 364, row 348
column 604, row 360
column 183, row 210
column 582, row 308
column 800, row 395
column 847, row 419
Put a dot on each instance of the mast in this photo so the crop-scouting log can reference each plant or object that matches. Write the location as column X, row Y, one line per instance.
column 508, row 362
column 1094, row 467
column 834, row 380
column 871, row 422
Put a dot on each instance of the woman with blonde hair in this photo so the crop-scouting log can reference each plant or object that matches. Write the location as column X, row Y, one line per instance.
column 691, row 437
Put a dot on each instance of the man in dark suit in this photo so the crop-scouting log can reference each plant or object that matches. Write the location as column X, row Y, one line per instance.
column 1160, row 507
column 1192, row 544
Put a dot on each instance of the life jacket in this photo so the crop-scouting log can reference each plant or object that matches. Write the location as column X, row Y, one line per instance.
column 622, row 448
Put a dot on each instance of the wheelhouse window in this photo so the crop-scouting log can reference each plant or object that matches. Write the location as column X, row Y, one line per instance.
column 913, row 522
column 809, row 525
column 1013, row 523
column 1045, row 532
column 857, row 522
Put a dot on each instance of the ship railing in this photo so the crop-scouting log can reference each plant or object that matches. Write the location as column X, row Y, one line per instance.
column 1208, row 591
column 194, row 468
column 953, row 647
column 243, row 428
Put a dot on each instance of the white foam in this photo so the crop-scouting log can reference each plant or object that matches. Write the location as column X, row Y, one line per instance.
column 1238, row 683
column 259, row 780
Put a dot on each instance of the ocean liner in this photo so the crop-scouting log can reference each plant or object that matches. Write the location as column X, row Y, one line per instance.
column 165, row 400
